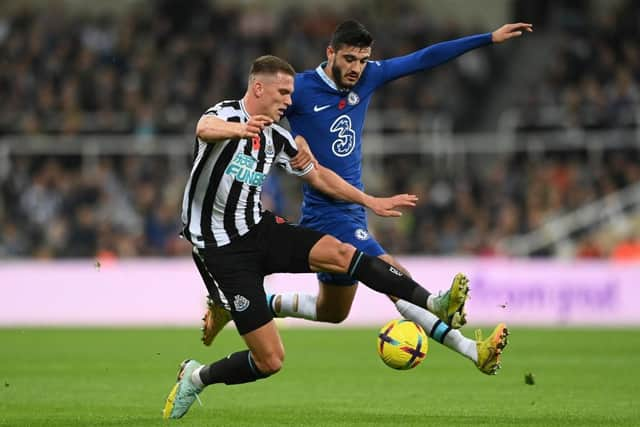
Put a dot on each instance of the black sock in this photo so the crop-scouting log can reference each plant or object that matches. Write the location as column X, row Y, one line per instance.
column 384, row 278
column 236, row 368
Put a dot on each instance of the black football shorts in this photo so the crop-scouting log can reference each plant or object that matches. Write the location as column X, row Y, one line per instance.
column 234, row 273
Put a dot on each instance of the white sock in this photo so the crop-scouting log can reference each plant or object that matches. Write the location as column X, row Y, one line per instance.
column 302, row 306
column 195, row 378
column 436, row 329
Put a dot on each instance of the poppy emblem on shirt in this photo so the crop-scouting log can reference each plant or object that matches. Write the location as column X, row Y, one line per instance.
column 342, row 104
column 256, row 142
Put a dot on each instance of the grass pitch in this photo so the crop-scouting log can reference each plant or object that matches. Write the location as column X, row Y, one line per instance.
column 332, row 377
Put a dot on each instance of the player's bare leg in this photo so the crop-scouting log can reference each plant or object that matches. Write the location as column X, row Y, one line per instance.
column 266, row 348
column 334, row 302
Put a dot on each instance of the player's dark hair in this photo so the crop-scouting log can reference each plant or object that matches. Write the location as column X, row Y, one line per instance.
column 351, row 33
column 270, row 64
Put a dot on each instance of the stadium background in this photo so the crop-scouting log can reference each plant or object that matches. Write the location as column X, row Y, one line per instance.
column 524, row 155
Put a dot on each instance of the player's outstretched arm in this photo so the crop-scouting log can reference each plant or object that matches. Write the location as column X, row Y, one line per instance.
column 328, row 182
column 440, row 53
column 213, row 129
column 509, row 31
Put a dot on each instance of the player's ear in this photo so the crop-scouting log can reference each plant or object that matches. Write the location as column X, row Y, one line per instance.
column 258, row 89
column 330, row 53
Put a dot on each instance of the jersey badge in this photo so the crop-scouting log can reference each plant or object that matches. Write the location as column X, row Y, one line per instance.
column 353, row 98
column 361, row 234
column 240, row 303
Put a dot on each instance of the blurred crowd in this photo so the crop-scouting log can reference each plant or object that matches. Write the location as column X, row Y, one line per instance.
column 156, row 69
column 471, row 207
column 592, row 80
column 152, row 71
column 129, row 206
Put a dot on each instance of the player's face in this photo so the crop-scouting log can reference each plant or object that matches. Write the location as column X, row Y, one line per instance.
column 347, row 64
column 276, row 95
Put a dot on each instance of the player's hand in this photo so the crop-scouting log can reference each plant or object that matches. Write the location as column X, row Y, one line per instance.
column 254, row 126
column 385, row 206
column 304, row 156
column 510, row 31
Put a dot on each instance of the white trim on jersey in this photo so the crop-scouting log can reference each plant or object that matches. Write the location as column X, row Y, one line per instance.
column 223, row 299
column 325, row 77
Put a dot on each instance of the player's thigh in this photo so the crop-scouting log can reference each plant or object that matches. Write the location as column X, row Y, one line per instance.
column 353, row 231
column 331, row 255
column 286, row 248
column 237, row 284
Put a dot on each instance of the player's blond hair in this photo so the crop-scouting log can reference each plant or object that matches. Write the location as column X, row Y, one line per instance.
column 270, row 64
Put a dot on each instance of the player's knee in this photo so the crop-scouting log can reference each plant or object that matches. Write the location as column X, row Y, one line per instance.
column 344, row 254
column 271, row 362
column 336, row 316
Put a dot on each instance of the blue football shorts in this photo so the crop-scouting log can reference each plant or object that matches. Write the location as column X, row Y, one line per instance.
column 348, row 229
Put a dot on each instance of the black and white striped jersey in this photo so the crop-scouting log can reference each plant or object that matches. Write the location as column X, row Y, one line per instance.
column 222, row 196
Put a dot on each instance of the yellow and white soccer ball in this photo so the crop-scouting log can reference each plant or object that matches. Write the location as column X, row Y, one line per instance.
column 402, row 344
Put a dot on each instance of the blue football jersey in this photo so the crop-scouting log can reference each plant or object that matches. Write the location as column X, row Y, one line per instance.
column 331, row 120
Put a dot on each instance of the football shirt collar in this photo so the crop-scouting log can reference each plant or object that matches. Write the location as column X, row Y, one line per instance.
column 243, row 109
column 327, row 79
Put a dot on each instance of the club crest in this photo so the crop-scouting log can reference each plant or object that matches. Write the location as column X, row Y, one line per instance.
column 361, row 234
column 240, row 303
column 353, row 98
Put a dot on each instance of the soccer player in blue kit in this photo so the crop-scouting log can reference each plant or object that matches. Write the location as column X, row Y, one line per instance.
column 328, row 109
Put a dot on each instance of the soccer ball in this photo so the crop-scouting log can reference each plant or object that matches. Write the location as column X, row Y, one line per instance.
column 402, row 344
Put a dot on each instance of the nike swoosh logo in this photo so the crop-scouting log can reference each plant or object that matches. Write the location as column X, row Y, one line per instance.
column 318, row 109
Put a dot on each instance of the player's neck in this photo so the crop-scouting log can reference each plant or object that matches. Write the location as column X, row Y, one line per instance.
column 329, row 72
column 250, row 105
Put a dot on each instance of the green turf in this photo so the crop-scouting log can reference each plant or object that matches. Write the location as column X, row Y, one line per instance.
column 331, row 377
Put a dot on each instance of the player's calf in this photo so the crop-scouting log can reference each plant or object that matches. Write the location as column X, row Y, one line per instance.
column 387, row 279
